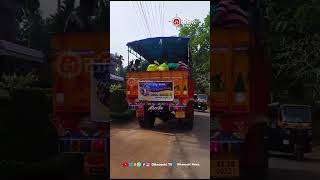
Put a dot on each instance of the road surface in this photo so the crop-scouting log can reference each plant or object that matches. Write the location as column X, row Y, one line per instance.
column 163, row 144
column 283, row 166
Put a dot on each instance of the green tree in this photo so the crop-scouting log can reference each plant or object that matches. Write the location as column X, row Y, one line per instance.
column 117, row 61
column 293, row 44
column 90, row 16
column 199, row 33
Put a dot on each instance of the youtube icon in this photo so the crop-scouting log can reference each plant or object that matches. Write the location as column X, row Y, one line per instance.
column 125, row 164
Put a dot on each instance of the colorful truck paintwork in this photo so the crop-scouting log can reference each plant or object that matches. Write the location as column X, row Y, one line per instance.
column 72, row 56
column 239, row 101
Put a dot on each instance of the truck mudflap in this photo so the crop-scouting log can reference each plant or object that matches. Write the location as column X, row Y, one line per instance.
column 225, row 155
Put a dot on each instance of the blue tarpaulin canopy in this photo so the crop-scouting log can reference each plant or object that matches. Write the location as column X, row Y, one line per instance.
column 172, row 49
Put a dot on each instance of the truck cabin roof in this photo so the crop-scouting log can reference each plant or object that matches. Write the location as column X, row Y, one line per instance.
column 278, row 105
column 171, row 49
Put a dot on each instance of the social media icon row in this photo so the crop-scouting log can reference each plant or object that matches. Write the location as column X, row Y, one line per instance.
column 136, row 164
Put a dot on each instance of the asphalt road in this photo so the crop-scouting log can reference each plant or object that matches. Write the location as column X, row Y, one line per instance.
column 163, row 144
column 284, row 166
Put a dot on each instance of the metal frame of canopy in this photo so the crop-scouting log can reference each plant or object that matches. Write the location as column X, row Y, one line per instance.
column 188, row 59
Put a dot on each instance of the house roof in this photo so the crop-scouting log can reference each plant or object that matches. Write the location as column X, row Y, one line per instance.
column 14, row 50
column 116, row 78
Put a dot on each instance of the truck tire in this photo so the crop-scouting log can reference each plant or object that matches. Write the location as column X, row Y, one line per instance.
column 299, row 152
column 189, row 117
column 141, row 122
column 147, row 122
column 256, row 143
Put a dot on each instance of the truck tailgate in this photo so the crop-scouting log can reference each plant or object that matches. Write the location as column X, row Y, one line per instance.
column 180, row 81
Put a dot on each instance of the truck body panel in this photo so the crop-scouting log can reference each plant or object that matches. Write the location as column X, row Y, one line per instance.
column 183, row 85
column 71, row 60
column 241, row 77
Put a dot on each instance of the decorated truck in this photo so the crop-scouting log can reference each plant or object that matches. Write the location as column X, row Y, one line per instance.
column 80, row 90
column 165, row 94
column 240, row 77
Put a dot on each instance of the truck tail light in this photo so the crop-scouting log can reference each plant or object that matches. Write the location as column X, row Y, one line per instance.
column 91, row 159
column 185, row 93
column 216, row 147
column 131, row 100
column 98, row 145
column 60, row 98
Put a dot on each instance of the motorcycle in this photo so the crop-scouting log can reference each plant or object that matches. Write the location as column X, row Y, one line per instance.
column 200, row 102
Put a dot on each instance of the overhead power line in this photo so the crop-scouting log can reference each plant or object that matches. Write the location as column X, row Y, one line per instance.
column 148, row 17
column 141, row 23
column 154, row 17
column 162, row 19
column 145, row 19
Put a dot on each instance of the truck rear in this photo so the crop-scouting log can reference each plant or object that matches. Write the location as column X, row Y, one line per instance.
column 240, row 77
column 164, row 94
column 72, row 62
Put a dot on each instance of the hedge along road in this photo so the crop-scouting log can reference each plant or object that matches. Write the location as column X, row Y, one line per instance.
column 163, row 144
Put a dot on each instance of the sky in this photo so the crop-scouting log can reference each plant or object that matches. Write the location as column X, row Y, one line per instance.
column 127, row 22
column 48, row 7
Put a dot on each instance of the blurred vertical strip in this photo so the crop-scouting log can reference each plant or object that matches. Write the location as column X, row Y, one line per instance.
column 9, row 12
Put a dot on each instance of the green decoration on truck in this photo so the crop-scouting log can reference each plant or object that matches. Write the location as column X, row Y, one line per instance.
column 217, row 83
column 240, row 84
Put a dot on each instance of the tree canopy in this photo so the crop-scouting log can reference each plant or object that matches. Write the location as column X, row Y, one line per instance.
column 293, row 44
column 199, row 33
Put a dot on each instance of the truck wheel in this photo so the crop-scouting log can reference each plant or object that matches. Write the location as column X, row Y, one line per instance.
column 141, row 122
column 147, row 122
column 299, row 154
column 189, row 117
column 256, row 156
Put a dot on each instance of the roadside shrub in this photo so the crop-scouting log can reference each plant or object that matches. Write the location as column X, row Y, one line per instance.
column 118, row 101
column 32, row 136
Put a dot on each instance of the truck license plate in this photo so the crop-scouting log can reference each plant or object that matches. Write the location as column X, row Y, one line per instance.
column 225, row 168
column 180, row 114
column 285, row 142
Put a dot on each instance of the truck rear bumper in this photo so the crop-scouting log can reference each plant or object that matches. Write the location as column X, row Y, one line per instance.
column 166, row 106
column 225, row 157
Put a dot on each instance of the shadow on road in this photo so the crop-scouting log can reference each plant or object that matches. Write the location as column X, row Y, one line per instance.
column 279, row 174
column 292, row 157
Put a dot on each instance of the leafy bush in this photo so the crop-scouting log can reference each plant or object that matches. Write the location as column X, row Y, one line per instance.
column 32, row 136
column 14, row 81
column 25, row 125
column 118, row 101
